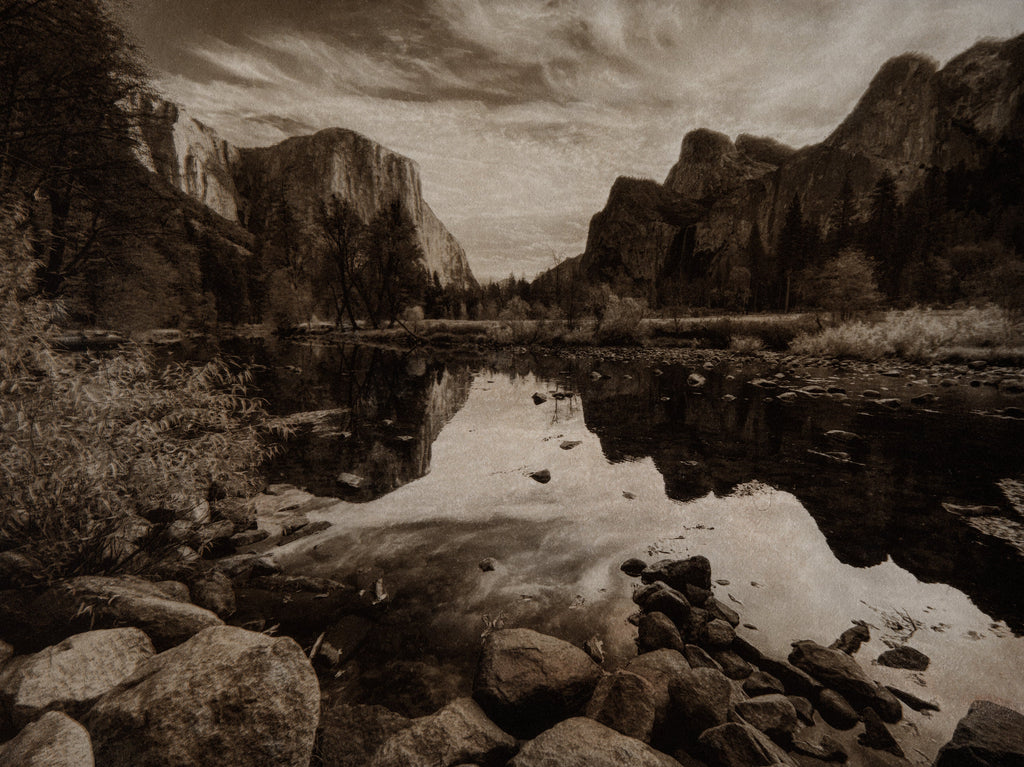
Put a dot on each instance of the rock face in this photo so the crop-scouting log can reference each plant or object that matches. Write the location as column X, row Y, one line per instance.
column 990, row 734
column 460, row 733
column 527, row 681
column 912, row 117
column 581, row 742
column 71, row 675
column 53, row 740
column 227, row 696
column 244, row 185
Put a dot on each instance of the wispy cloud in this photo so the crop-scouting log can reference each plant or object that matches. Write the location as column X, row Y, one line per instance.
column 522, row 112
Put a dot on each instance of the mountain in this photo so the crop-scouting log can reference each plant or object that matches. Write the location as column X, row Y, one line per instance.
column 928, row 161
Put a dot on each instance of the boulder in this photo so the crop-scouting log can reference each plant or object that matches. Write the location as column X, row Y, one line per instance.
column 851, row 639
column 718, row 634
column 989, row 734
column 740, row 745
column 71, row 675
column 543, row 476
column 664, row 599
column 702, row 698
column 53, row 740
column 226, row 696
column 213, row 590
column 175, row 590
column 904, row 657
column 762, row 683
column 717, row 609
column 626, row 702
column 698, row 657
column 732, row 664
column 582, row 742
column 911, row 700
column 527, row 681
column 6, row 653
column 839, row 671
column 804, row 709
column 796, row 681
column 774, row 715
column 678, row 572
column 128, row 601
column 836, row 711
column 458, row 733
column 657, row 632
column 828, row 749
column 633, row 567
column 350, row 735
column 876, row 735
column 660, row 668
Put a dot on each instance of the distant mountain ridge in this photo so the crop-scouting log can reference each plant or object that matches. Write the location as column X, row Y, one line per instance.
column 723, row 200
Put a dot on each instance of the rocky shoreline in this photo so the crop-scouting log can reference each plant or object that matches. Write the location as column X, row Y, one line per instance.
column 124, row 671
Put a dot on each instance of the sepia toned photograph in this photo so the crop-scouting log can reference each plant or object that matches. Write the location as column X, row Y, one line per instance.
column 511, row 383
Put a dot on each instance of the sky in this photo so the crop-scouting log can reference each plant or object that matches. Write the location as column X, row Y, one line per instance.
column 521, row 113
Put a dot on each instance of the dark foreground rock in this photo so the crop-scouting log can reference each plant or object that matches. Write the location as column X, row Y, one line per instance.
column 740, row 745
column 349, row 736
column 581, row 742
column 53, row 740
column 527, row 681
column 227, row 696
column 695, row 571
column 627, row 703
column 840, row 672
column 989, row 735
column 460, row 733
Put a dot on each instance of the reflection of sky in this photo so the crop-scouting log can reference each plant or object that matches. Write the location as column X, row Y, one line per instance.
column 560, row 544
column 521, row 113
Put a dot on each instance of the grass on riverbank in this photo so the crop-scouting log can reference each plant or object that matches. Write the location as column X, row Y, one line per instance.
column 922, row 335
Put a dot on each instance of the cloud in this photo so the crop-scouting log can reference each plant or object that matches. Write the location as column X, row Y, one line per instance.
column 522, row 112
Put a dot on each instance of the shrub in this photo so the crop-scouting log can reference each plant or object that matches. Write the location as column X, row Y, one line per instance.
column 746, row 344
column 621, row 321
column 91, row 446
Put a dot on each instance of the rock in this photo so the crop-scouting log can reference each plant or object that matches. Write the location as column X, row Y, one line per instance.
column 844, row 437
column 633, row 567
column 248, row 538
column 718, row 634
column 696, row 595
column 569, row 444
column 6, row 653
column 213, row 590
column 904, row 657
column 719, row 610
column 226, row 696
column 871, row 394
column 128, row 601
column 851, row 639
column 350, row 735
column 787, row 396
column 828, row 750
column 762, row 683
column 458, row 733
column 732, row 664
column 664, row 599
column 657, row 632
column 988, row 735
column 914, row 702
column 543, row 476
column 835, row 710
column 526, row 681
column 53, row 740
column 890, row 402
column 539, row 398
column 796, row 681
column 696, row 380
column 747, row 651
column 740, row 745
column 488, row 565
column 698, row 657
column 582, row 742
column 625, row 702
column 773, row 715
column 843, row 674
column 804, row 709
column 594, row 647
column 702, row 698
column 678, row 572
column 660, row 668
column 306, row 604
column 876, row 735
column 1012, row 386
column 175, row 590
column 71, row 675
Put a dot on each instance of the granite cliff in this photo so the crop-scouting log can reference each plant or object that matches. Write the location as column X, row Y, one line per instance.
column 914, row 124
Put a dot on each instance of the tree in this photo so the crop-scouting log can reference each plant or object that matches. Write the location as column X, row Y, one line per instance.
column 791, row 250
column 840, row 228
column 844, row 286
column 393, row 275
column 67, row 75
column 344, row 233
column 880, row 234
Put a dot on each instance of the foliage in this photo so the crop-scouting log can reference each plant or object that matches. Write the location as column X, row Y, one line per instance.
column 844, row 286
column 90, row 445
column 620, row 321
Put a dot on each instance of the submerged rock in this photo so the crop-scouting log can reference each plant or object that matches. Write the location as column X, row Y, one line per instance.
column 543, row 476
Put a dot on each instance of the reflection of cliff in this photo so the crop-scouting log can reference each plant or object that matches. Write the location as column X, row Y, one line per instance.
column 377, row 415
column 885, row 503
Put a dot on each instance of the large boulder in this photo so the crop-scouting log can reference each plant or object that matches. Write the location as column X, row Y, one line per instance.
column 836, row 710
column 660, row 668
column 679, row 572
column 53, row 740
column 840, row 672
column 796, row 681
column 460, row 733
column 740, row 745
column 626, row 702
column 226, row 696
column 774, row 715
column 527, row 681
column 71, row 675
column 904, row 657
column 128, row 601
column 988, row 735
column 657, row 632
column 701, row 698
column 582, row 742
column 213, row 590
column 349, row 736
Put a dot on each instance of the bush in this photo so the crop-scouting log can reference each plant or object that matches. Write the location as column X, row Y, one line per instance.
column 621, row 321
column 746, row 344
column 92, row 446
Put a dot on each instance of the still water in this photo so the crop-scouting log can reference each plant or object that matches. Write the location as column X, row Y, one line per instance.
column 803, row 534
